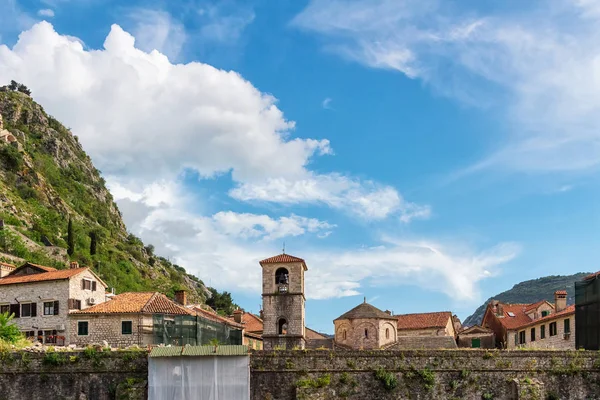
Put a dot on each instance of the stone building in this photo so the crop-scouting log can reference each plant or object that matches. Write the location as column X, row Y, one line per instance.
column 126, row 319
column 253, row 328
column 536, row 325
column 476, row 337
column 283, row 302
column 365, row 327
column 41, row 298
column 6, row 269
column 426, row 324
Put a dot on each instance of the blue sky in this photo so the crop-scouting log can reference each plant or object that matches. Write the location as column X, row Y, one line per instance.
column 424, row 154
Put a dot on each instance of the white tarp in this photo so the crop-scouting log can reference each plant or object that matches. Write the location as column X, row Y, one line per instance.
column 199, row 378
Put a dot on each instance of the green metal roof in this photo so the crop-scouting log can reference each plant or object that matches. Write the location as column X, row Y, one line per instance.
column 195, row 351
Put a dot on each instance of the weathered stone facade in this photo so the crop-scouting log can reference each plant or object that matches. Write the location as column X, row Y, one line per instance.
column 74, row 376
column 283, row 306
column 559, row 340
column 109, row 328
column 365, row 333
column 424, row 374
column 50, row 292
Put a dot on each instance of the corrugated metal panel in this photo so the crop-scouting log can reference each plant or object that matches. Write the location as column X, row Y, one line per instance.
column 222, row 350
column 166, row 351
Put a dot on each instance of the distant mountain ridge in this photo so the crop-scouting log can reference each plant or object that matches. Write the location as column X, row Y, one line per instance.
column 530, row 292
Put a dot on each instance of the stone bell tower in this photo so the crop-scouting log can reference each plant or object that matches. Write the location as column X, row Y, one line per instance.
column 283, row 302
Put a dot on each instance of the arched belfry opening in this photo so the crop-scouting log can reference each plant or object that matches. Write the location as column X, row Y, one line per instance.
column 282, row 326
column 282, row 276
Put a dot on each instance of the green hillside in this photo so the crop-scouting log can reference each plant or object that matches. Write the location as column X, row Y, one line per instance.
column 530, row 292
column 47, row 180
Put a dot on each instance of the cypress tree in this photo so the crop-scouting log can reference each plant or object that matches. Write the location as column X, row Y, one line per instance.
column 70, row 239
column 93, row 243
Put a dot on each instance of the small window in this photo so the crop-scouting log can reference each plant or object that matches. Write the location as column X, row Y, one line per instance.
column 545, row 313
column 567, row 325
column 4, row 308
column 521, row 337
column 366, row 333
column 387, row 333
column 82, row 328
column 533, row 334
column 344, row 335
column 126, row 327
column 553, row 329
column 28, row 310
column 51, row 308
column 543, row 332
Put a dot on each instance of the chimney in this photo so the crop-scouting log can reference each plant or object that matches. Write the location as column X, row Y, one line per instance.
column 560, row 300
column 500, row 310
column 388, row 312
column 181, row 297
column 261, row 314
column 237, row 316
column 74, row 265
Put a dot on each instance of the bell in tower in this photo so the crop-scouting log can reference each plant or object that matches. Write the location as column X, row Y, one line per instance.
column 283, row 302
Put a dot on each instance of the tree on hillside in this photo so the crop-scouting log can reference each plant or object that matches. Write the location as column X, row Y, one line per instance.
column 93, row 243
column 70, row 238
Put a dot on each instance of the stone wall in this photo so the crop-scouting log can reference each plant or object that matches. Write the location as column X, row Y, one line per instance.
column 430, row 374
column 108, row 327
column 74, row 375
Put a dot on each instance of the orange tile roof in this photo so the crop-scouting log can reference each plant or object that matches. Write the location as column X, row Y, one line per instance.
column 7, row 265
column 212, row 316
column 561, row 292
column 533, row 306
column 520, row 317
column 281, row 258
column 52, row 275
column 42, row 267
column 252, row 323
column 567, row 311
column 141, row 302
column 423, row 320
column 592, row 276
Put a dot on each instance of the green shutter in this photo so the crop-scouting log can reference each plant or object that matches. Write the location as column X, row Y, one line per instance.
column 476, row 343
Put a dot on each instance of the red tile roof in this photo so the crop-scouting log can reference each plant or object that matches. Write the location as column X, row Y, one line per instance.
column 143, row 302
column 519, row 316
column 213, row 316
column 42, row 267
column 533, row 306
column 561, row 292
column 7, row 265
column 282, row 258
column 567, row 311
column 252, row 323
column 423, row 320
column 591, row 276
column 52, row 275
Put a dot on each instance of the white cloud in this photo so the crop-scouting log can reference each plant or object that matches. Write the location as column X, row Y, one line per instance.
column 157, row 30
column 224, row 21
column 144, row 119
column 326, row 104
column 227, row 247
column 46, row 12
column 539, row 64
column 363, row 198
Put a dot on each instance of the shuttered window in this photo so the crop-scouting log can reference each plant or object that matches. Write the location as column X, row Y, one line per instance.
column 16, row 310
column 82, row 328
column 4, row 308
column 553, row 329
column 87, row 284
column 542, row 331
column 29, row 310
column 126, row 327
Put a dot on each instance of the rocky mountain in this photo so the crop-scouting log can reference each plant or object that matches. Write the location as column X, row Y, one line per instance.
column 55, row 207
column 530, row 292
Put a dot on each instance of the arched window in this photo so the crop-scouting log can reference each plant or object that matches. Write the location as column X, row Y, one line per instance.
column 387, row 333
column 366, row 333
column 344, row 335
column 282, row 326
column 282, row 276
